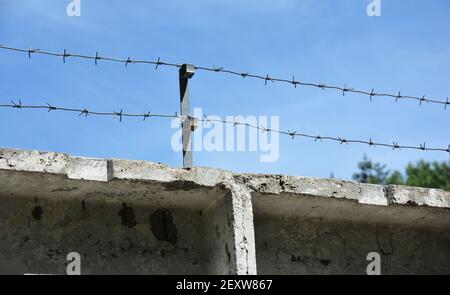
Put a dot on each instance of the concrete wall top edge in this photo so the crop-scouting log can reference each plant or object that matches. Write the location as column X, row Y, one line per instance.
column 103, row 170
column 343, row 189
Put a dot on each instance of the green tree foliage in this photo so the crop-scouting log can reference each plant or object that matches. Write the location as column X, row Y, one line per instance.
column 433, row 175
column 395, row 178
column 374, row 173
column 423, row 174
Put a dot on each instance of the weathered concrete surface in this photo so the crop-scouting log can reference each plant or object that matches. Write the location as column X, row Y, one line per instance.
column 145, row 218
column 121, row 216
column 321, row 226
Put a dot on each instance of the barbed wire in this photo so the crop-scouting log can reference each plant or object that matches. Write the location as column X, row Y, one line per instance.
column 266, row 78
column 120, row 115
column 85, row 111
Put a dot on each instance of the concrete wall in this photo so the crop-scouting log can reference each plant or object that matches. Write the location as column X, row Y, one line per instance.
column 135, row 217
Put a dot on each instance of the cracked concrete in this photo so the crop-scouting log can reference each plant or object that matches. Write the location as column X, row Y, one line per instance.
column 140, row 217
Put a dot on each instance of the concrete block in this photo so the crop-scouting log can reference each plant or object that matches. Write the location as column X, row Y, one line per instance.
column 137, row 217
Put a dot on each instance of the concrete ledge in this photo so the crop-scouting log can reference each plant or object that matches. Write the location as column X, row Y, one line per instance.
column 33, row 161
column 404, row 195
column 342, row 189
column 220, row 222
column 87, row 169
column 104, row 170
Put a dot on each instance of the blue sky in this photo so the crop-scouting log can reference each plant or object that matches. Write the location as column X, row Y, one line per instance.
column 407, row 48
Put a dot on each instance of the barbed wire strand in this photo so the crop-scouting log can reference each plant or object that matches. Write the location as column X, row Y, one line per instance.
column 120, row 115
column 65, row 54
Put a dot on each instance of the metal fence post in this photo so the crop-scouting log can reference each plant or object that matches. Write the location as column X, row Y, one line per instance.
column 187, row 71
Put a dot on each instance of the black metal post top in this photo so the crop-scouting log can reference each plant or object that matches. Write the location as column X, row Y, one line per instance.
column 187, row 71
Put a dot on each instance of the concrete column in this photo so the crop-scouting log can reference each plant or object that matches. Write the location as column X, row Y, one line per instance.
column 240, row 206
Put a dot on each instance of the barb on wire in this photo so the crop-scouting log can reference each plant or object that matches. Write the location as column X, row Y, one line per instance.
column 65, row 54
column 128, row 61
column 97, row 57
column 146, row 115
column 30, row 51
column 343, row 140
column 267, row 79
column 398, row 97
column 84, row 112
column 292, row 134
column 371, row 95
column 206, row 120
column 294, row 82
column 215, row 69
column 422, row 100
column 119, row 114
column 17, row 105
column 50, row 107
column 158, row 62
